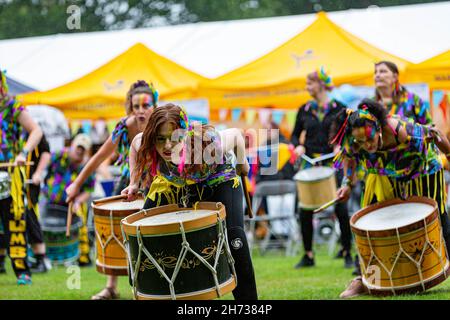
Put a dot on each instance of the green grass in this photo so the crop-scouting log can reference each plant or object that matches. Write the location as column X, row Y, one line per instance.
column 276, row 280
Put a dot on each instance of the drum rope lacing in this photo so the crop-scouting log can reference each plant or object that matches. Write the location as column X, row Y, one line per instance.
column 222, row 242
column 427, row 243
column 111, row 237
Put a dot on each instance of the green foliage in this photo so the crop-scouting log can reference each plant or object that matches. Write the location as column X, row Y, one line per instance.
column 24, row 18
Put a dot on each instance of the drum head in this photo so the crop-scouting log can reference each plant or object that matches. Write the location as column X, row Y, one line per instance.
column 314, row 174
column 120, row 205
column 173, row 217
column 394, row 216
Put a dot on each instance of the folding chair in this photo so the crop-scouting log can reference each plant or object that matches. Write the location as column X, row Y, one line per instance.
column 282, row 229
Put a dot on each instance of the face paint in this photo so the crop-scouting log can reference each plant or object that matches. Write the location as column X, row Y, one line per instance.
column 370, row 131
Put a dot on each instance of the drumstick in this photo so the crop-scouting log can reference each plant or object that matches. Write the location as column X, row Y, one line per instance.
column 69, row 219
column 118, row 197
column 12, row 164
column 326, row 205
column 247, row 197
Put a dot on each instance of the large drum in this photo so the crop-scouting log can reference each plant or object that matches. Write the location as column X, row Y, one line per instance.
column 316, row 186
column 400, row 246
column 179, row 253
column 5, row 185
column 60, row 249
column 111, row 254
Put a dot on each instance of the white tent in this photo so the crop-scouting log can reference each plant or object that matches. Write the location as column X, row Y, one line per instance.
column 414, row 32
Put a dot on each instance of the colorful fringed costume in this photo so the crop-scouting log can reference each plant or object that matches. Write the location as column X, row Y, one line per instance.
column 411, row 168
column 410, row 106
column 12, row 209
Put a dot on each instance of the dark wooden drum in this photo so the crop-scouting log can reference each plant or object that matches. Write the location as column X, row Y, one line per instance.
column 179, row 253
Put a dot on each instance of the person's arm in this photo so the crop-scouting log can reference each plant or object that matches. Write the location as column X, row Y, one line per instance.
column 102, row 154
column 34, row 136
column 343, row 193
column 232, row 140
column 132, row 189
column 80, row 199
column 298, row 128
column 44, row 161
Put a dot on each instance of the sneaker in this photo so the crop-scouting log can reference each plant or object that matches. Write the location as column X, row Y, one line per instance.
column 84, row 261
column 24, row 279
column 356, row 288
column 39, row 267
column 348, row 261
column 305, row 262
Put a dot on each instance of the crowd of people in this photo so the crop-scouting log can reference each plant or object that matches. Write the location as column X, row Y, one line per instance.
column 388, row 142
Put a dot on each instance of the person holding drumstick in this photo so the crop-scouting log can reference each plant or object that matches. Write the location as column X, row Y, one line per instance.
column 206, row 174
column 315, row 117
column 142, row 99
column 13, row 119
column 401, row 158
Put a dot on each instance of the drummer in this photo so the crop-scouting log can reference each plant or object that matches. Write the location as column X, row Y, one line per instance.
column 315, row 118
column 215, row 179
column 396, row 98
column 401, row 159
column 14, row 119
column 64, row 167
column 141, row 100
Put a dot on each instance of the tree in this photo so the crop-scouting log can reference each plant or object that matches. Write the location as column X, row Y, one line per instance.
column 24, row 18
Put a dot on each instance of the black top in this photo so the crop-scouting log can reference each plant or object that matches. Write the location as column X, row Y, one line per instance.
column 35, row 156
column 317, row 130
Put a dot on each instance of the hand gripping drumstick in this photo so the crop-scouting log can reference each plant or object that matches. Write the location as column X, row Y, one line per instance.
column 69, row 219
column 247, row 197
column 326, row 205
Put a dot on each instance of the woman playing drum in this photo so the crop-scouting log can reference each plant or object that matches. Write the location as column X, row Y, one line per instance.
column 400, row 157
column 13, row 119
column 315, row 118
column 206, row 174
column 141, row 100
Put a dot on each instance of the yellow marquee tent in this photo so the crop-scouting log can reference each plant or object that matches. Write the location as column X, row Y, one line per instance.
column 278, row 78
column 101, row 93
column 435, row 72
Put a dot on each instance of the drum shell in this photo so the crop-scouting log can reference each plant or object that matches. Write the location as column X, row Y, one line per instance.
column 194, row 280
column 387, row 246
column 60, row 249
column 314, row 194
column 5, row 185
column 112, row 259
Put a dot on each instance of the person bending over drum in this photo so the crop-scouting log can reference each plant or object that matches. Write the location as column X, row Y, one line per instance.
column 141, row 100
column 315, row 117
column 401, row 159
column 206, row 174
column 14, row 118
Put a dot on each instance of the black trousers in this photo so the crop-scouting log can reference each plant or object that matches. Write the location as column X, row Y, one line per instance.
column 341, row 212
column 14, row 237
column 34, row 230
column 232, row 199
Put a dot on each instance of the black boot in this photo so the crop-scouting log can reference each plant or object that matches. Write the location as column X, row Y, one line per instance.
column 39, row 266
column 2, row 265
column 246, row 283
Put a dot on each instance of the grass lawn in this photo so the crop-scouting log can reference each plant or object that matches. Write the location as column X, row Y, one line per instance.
column 275, row 275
